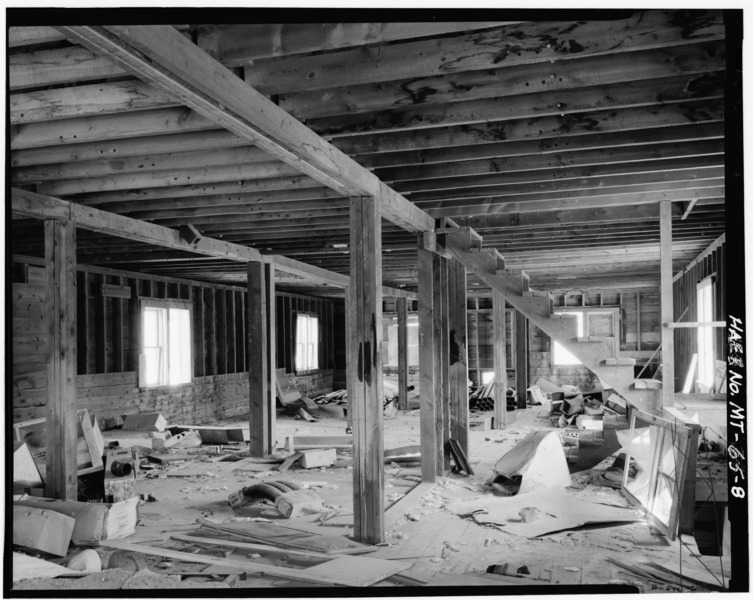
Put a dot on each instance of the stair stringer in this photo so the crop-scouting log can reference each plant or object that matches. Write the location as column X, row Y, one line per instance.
column 537, row 309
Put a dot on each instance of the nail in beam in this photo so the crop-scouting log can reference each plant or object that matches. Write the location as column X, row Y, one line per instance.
column 261, row 358
column 402, row 353
column 500, row 369
column 458, row 355
column 667, row 315
column 365, row 299
column 60, row 308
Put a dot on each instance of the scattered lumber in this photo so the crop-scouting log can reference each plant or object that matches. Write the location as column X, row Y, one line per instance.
column 343, row 570
column 300, row 442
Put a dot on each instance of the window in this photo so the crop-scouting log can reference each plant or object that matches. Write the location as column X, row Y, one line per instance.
column 560, row 355
column 705, row 296
column 596, row 323
column 166, row 345
column 306, row 342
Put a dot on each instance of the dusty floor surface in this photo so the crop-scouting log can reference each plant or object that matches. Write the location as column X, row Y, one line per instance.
column 422, row 529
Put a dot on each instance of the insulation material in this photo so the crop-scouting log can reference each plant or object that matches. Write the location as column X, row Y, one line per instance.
column 539, row 459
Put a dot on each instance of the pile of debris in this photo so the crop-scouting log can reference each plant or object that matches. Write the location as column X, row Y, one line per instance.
column 481, row 398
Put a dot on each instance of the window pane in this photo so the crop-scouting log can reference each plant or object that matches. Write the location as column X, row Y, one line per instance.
column 705, row 334
column 307, row 343
column 560, row 355
column 179, row 347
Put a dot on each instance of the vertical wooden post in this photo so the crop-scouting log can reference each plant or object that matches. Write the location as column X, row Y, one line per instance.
column 351, row 359
column 402, row 353
column 521, row 357
column 458, row 355
column 427, row 361
column 667, row 316
column 60, row 308
column 261, row 358
column 638, row 320
column 499, row 343
column 366, row 404
column 442, row 373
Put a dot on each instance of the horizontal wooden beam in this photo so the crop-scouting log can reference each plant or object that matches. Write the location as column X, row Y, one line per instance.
column 713, row 246
column 166, row 59
column 687, row 324
column 38, row 206
column 244, row 44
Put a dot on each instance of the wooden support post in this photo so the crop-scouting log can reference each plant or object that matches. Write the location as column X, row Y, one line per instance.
column 60, row 308
column 638, row 320
column 521, row 357
column 499, row 343
column 428, row 361
column 261, row 358
column 458, row 355
column 366, row 403
column 475, row 342
column 667, row 316
column 351, row 358
column 442, row 374
column 402, row 353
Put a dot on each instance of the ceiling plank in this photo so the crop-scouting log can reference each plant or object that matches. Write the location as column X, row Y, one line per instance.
column 141, row 164
column 124, row 147
column 108, row 127
column 165, row 58
column 163, row 179
column 545, row 145
column 28, row 36
column 595, row 121
column 54, row 67
column 657, row 151
column 85, row 101
column 526, row 43
column 560, row 102
column 243, row 44
column 505, row 82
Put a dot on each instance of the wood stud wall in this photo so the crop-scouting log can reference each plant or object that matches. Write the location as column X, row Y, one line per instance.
column 685, row 297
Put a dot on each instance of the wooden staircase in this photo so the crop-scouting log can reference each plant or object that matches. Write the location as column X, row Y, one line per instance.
column 597, row 354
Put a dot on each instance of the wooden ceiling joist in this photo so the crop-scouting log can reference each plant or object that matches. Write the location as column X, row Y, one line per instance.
column 169, row 61
column 244, row 44
column 520, row 44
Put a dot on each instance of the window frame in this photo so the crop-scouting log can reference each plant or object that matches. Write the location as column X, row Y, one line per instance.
column 318, row 341
column 708, row 282
column 165, row 304
column 587, row 311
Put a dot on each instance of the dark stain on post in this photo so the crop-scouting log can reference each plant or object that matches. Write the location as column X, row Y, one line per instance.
column 359, row 371
column 454, row 348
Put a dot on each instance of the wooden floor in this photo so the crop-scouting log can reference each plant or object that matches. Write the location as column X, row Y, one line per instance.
column 441, row 543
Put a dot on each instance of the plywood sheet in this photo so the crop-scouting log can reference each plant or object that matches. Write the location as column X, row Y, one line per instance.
column 357, row 571
column 553, row 510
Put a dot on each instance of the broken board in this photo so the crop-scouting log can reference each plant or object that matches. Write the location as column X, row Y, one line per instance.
column 357, row 571
column 553, row 510
column 214, row 435
column 42, row 529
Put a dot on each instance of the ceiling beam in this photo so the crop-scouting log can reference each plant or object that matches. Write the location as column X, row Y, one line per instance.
column 166, row 59
column 38, row 206
column 244, row 44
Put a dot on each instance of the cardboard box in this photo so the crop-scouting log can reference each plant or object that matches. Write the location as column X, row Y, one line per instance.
column 94, row 521
column 42, row 529
column 145, row 422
